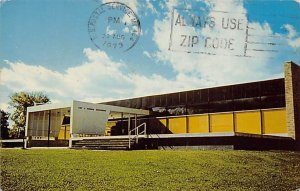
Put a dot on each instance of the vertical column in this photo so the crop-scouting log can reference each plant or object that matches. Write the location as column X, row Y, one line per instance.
column 26, row 130
column 65, row 133
column 44, row 123
column 129, row 130
column 262, row 127
column 234, row 122
column 292, row 100
column 128, row 124
column 71, row 124
column 122, row 116
column 136, row 130
column 209, row 123
column 49, row 127
column 187, row 123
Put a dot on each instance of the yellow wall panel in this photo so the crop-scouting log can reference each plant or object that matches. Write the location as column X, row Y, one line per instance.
column 162, row 125
column 248, row 122
column 177, row 125
column 64, row 133
column 108, row 127
column 111, row 123
column 222, row 122
column 163, row 121
column 274, row 121
column 198, row 124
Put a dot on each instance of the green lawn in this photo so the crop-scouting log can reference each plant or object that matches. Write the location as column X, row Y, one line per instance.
column 148, row 170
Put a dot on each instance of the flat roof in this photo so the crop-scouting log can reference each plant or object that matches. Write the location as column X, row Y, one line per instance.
column 105, row 107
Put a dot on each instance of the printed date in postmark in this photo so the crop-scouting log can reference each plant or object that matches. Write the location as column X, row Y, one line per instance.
column 114, row 26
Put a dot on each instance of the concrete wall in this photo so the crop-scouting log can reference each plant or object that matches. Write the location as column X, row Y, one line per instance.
column 234, row 142
column 88, row 118
column 292, row 96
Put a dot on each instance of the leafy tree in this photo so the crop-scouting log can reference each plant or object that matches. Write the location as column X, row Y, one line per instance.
column 20, row 101
column 4, row 124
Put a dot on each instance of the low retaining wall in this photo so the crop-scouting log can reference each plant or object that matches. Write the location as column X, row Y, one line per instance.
column 234, row 142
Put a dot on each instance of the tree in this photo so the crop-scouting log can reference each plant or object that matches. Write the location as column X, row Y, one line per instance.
column 4, row 124
column 20, row 101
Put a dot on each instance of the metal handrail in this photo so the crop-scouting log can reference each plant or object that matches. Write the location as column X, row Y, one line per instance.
column 137, row 133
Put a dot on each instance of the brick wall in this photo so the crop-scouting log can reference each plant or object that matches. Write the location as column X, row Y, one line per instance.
column 292, row 97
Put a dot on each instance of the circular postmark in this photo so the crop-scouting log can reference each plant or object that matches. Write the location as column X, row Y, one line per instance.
column 114, row 26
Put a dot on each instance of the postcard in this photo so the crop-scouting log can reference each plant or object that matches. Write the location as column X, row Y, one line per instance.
column 182, row 76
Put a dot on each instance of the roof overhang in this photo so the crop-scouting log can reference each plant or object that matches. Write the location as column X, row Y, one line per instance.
column 103, row 107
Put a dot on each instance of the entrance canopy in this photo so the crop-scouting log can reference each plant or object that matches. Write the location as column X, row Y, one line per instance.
column 84, row 118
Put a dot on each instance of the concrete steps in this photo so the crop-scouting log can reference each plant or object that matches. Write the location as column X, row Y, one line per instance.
column 104, row 144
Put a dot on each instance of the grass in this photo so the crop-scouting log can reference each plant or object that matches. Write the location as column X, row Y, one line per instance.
column 148, row 170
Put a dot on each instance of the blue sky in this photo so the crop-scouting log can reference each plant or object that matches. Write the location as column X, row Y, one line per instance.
column 45, row 46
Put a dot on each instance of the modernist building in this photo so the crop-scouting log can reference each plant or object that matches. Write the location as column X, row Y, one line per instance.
column 257, row 115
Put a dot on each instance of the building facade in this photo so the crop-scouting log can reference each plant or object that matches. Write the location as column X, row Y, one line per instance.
column 256, row 115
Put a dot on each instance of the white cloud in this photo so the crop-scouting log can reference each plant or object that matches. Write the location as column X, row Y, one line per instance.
column 291, row 31
column 110, row 31
column 98, row 79
column 168, row 6
column 150, row 6
column 126, row 30
column 188, row 6
column 171, row 4
column 293, row 41
column 146, row 53
column 4, row 106
column 233, row 6
column 3, row 1
column 91, row 79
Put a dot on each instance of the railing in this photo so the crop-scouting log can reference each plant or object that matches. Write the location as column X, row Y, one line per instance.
column 136, row 134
